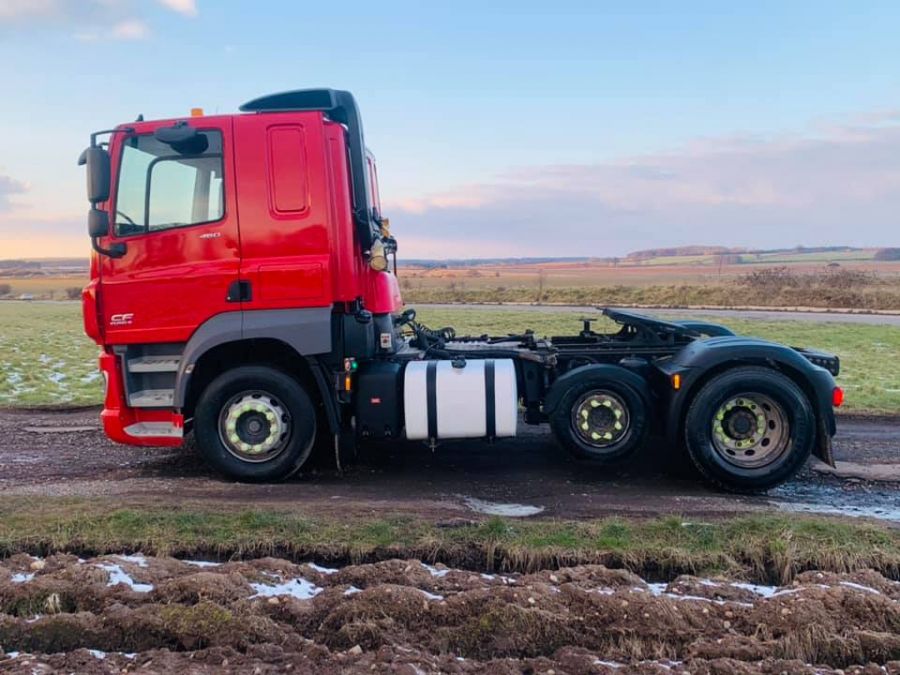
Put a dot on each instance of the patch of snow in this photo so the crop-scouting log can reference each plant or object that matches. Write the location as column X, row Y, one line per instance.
column 609, row 664
column 56, row 377
column 860, row 587
column 497, row 509
column 708, row 582
column 434, row 571
column 138, row 559
column 297, row 588
column 118, row 576
column 353, row 590
column 201, row 563
column 97, row 654
column 22, row 577
column 431, row 596
column 489, row 577
column 758, row 589
column 130, row 655
column 323, row 570
column 658, row 589
column 13, row 655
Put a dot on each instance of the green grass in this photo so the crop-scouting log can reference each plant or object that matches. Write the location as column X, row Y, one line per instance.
column 870, row 355
column 765, row 548
column 45, row 358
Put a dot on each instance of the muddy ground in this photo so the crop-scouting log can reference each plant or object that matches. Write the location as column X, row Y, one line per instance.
column 66, row 454
column 124, row 613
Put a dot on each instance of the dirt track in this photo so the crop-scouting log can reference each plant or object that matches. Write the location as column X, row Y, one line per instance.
column 66, row 454
column 122, row 613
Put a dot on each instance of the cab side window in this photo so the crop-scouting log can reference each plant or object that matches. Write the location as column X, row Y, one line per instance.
column 159, row 189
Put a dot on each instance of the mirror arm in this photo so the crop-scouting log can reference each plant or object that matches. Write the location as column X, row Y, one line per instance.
column 117, row 250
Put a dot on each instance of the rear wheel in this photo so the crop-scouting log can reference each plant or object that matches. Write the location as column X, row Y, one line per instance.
column 255, row 423
column 749, row 429
column 601, row 419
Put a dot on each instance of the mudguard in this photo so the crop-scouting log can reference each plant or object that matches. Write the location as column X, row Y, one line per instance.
column 608, row 371
column 702, row 359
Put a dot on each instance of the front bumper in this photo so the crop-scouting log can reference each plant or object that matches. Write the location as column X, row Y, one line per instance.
column 135, row 426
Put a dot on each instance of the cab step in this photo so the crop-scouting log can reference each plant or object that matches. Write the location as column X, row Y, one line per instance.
column 152, row 398
column 154, row 430
column 154, row 364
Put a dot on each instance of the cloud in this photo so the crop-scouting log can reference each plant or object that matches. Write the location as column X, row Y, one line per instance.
column 9, row 186
column 186, row 7
column 841, row 186
column 130, row 29
column 91, row 20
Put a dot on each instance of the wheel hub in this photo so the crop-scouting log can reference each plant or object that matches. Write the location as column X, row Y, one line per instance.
column 600, row 418
column 254, row 426
column 750, row 430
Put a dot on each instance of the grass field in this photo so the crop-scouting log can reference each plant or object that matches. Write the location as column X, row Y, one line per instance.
column 768, row 549
column 45, row 358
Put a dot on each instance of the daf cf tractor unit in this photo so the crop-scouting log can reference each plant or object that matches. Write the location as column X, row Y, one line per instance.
column 244, row 287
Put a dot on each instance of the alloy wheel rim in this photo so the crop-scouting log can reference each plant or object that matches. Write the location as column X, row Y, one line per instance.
column 254, row 426
column 750, row 430
column 600, row 418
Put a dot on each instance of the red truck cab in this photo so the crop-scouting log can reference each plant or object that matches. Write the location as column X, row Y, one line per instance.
column 226, row 229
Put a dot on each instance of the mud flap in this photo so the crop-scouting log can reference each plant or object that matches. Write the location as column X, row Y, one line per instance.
column 824, row 449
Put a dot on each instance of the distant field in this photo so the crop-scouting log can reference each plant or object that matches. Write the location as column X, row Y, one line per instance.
column 50, row 288
column 45, row 359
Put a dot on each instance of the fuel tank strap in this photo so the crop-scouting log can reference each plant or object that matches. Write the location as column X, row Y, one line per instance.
column 431, row 398
column 490, row 397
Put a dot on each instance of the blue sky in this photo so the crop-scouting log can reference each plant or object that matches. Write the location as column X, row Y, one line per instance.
column 505, row 128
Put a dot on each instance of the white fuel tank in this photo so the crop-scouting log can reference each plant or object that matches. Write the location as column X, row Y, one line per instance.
column 441, row 401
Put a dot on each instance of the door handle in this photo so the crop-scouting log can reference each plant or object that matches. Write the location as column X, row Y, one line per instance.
column 239, row 291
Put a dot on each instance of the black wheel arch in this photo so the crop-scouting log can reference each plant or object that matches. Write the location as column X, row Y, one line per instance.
column 561, row 385
column 703, row 360
column 309, row 370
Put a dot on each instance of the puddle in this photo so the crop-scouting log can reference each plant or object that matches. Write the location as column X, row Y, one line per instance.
column 498, row 509
column 833, row 500
column 60, row 430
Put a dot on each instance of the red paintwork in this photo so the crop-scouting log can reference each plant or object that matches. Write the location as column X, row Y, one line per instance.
column 116, row 415
column 287, row 230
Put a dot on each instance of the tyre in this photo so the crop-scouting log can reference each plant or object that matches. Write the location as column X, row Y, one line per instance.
column 749, row 429
column 255, row 423
column 601, row 419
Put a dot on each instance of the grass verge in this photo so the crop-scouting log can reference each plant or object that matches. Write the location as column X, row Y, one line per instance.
column 769, row 548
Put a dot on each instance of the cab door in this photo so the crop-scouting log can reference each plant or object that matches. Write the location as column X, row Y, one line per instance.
column 174, row 210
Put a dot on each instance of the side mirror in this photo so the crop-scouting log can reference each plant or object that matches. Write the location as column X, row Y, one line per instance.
column 98, row 173
column 98, row 223
column 98, row 226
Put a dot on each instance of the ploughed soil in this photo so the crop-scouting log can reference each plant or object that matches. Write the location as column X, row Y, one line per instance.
column 123, row 613
column 49, row 454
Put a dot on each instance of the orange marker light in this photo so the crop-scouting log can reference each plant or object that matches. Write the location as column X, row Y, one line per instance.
column 676, row 381
column 837, row 397
column 348, row 382
column 196, row 112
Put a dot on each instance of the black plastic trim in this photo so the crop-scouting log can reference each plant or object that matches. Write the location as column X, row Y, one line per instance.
column 490, row 399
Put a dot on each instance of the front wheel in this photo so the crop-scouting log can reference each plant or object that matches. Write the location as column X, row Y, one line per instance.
column 255, row 423
column 749, row 429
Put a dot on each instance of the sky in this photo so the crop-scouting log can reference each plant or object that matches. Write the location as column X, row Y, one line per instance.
column 508, row 128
